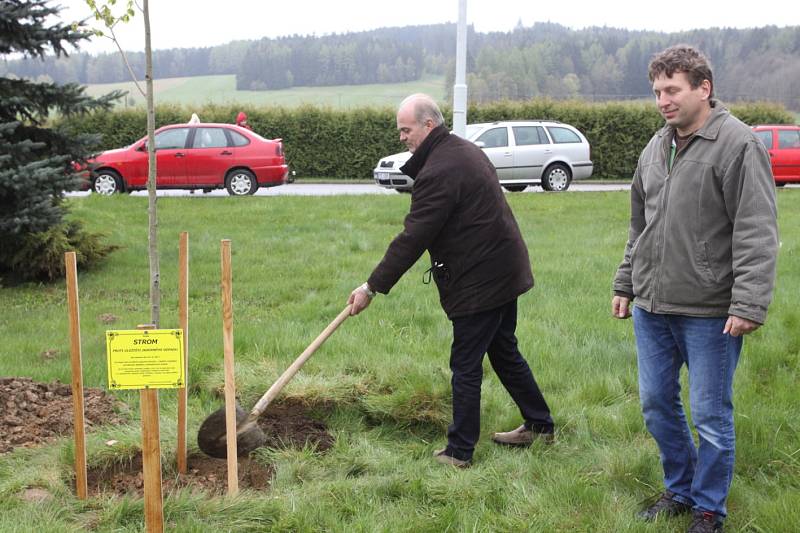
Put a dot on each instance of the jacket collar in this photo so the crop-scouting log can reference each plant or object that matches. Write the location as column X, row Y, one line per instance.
column 709, row 130
column 417, row 161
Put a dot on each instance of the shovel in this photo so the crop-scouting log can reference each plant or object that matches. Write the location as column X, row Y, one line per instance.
column 212, row 437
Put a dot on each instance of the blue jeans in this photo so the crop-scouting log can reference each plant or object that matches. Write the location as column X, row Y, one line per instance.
column 698, row 475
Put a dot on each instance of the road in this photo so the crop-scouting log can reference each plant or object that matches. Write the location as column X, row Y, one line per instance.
column 332, row 189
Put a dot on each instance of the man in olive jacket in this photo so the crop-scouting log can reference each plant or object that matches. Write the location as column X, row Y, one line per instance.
column 699, row 267
column 480, row 265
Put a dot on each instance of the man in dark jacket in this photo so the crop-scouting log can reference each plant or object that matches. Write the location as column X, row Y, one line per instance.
column 480, row 265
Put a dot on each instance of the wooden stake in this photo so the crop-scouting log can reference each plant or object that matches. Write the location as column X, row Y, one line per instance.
column 183, row 317
column 230, row 382
column 151, row 458
column 77, row 374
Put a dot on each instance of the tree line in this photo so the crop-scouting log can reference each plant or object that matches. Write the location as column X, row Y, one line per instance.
column 545, row 59
column 354, row 59
column 611, row 64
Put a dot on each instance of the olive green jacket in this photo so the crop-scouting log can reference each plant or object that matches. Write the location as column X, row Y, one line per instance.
column 703, row 236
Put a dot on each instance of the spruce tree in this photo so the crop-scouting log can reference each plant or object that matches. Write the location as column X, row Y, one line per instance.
column 37, row 157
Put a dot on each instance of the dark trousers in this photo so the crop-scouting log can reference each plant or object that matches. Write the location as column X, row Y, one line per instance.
column 490, row 332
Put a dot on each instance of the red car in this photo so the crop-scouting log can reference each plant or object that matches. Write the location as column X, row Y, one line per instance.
column 194, row 156
column 783, row 145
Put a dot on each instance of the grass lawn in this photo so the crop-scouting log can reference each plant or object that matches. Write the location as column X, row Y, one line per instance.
column 200, row 90
column 381, row 382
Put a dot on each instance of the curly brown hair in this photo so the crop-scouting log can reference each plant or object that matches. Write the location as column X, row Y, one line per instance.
column 682, row 58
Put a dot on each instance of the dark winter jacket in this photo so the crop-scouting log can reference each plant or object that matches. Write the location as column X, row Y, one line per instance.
column 460, row 215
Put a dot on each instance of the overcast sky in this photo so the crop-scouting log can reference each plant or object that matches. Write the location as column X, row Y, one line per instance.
column 198, row 23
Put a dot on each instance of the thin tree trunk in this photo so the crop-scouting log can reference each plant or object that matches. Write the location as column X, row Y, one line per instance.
column 152, row 215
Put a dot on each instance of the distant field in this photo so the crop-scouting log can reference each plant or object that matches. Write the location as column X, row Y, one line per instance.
column 201, row 90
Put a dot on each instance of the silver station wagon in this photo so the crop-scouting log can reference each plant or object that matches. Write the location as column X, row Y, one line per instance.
column 530, row 152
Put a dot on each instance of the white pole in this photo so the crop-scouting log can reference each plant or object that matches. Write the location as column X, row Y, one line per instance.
column 460, row 87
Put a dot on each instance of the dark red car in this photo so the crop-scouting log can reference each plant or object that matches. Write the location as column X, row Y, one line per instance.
column 783, row 145
column 194, row 156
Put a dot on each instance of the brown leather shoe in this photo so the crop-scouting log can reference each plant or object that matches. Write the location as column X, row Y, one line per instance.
column 521, row 437
column 442, row 457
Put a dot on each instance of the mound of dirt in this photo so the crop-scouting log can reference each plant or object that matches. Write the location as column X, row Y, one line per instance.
column 203, row 473
column 32, row 413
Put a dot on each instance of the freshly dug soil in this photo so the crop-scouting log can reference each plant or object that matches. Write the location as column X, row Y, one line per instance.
column 288, row 425
column 285, row 426
column 32, row 413
column 203, row 473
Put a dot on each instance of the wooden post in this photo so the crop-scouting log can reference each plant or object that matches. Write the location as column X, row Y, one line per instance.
column 151, row 458
column 230, row 382
column 183, row 317
column 77, row 374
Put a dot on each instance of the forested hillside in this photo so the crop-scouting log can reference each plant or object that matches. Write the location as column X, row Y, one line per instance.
column 542, row 60
column 611, row 64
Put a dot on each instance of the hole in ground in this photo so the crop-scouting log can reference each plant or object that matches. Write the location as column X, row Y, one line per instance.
column 285, row 425
column 203, row 473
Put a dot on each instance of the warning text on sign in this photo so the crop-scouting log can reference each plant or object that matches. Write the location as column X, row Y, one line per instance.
column 145, row 359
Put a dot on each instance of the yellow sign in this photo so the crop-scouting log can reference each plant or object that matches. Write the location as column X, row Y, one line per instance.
column 145, row 359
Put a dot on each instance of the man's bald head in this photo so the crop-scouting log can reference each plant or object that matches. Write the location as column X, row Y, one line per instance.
column 417, row 116
column 424, row 107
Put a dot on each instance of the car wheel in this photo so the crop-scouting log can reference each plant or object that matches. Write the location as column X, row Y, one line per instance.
column 556, row 178
column 241, row 183
column 515, row 188
column 106, row 183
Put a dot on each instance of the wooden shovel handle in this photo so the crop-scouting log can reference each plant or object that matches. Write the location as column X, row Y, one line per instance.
column 289, row 373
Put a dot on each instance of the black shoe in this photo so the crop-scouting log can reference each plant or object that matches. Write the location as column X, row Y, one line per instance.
column 664, row 506
column 705, row 522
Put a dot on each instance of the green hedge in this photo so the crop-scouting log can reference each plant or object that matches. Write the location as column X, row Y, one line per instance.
column 346, row 144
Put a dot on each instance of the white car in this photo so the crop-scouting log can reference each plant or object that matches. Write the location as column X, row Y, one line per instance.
column 531, row 152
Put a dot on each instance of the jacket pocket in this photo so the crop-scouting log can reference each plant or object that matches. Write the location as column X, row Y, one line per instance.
column 704, row 263
column 442, row 274
column 439, row 272
column 641, row 268
column 634, row 248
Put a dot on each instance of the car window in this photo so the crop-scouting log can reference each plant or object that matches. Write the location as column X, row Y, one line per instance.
column 210, row 138
column 765, row 136
column 563, row 135
column 788, row 138
column 471, row 130
column 525, row 135
column 238, row 138
column 494, row 138
column 172, row 139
